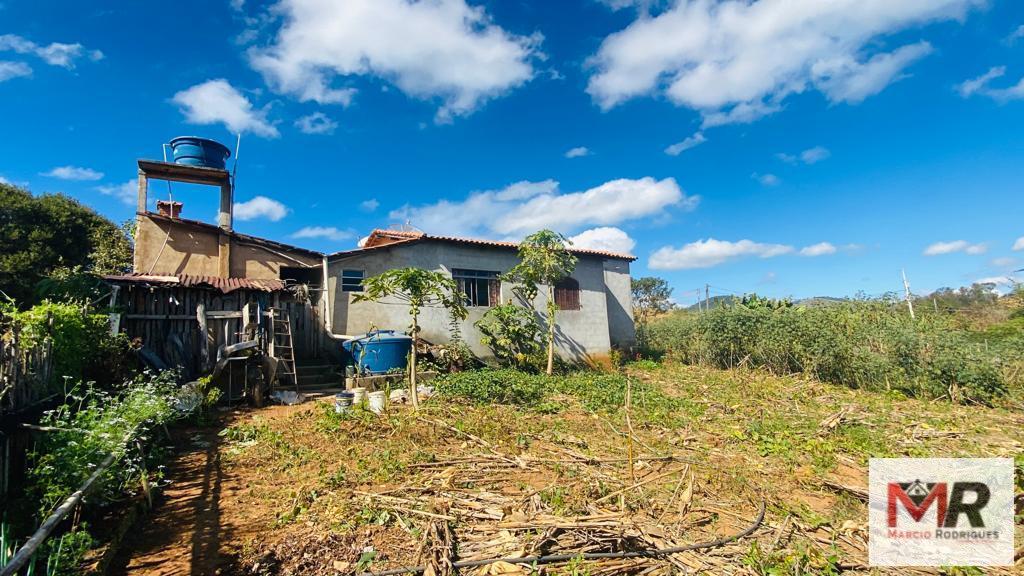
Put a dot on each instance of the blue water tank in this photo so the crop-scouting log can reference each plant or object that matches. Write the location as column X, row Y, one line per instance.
column 379, row 352
column 194, row 151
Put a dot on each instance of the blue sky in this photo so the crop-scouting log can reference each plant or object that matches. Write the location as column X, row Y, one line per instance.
column 783, row 147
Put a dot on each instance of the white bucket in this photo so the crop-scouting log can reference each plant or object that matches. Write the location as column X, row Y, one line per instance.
column 358, row 396
column 342, row 403
column 377, row 400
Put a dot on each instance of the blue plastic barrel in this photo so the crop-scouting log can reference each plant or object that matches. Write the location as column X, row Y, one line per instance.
column 379, row 352
column 194, row 151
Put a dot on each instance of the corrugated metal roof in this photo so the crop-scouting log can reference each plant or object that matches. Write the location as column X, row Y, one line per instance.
column 224, row 285
column 381, row 238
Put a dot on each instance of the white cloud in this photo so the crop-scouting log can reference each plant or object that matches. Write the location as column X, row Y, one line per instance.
column 970, row 87
column 606, row 238
column 1002, row 283
column 1004, row 262
column 1019, row 244
column 10, row 70
column 74, row 173
column 1015, row 35
column 577, row 152
column 216, row 101
column 260, row 207
column 736, row 61
column 844, row 79
column 127, row 192
column 525, row 207
column 981, row 85
column 54, row 54
column 819, row 249
column 316, row 123
column 808, row 156
column 369, row 205
column 443, row 49
column 815, row 155
column 711, row 252
column 940, row 248
column 5, row 181
column 766, row 179
column 325, row 232
column 1015, row 92
column 687, row 143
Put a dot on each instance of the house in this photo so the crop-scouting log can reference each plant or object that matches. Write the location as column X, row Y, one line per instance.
column 594, row 304
column 198, row 287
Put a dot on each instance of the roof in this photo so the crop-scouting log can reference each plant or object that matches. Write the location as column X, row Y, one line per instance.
column 224, row 285
column 382, row 238
column 272, row 244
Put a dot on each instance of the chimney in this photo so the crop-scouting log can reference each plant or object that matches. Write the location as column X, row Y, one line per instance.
column 169, row 209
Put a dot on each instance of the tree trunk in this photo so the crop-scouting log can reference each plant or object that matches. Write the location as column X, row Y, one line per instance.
column 551, row 329
column 413, row 393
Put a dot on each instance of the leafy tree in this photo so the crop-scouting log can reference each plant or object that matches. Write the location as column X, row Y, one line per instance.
column 417, row 288
column 39, row 234
column 651, row 296
column 544, row 258
column 513, row 334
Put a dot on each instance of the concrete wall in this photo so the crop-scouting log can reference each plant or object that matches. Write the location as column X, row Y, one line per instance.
column 580, row 332
column 619, row 297
column 192, row 249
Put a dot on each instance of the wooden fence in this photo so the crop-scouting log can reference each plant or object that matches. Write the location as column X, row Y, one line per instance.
column 25, row 372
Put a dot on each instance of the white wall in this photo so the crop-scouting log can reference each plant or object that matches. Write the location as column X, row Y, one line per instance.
column 580, row 332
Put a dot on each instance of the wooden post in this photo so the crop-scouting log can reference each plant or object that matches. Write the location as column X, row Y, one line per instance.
column 906, row 289
column 204, row 336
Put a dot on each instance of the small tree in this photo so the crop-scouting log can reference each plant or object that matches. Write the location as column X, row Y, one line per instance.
column 417, row 288
column 513, row 334
column 544, row 258
column 651, row 296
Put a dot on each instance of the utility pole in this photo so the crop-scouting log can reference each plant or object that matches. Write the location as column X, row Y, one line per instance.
column 707, row 296
column 906, row 290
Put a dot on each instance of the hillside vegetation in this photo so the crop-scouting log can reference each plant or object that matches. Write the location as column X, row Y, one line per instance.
column 868, row 344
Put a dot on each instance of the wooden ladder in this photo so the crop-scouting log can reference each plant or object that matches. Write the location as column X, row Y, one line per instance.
column 285, row 351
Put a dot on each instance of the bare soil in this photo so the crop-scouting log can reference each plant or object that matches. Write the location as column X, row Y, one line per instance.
column 297, row 490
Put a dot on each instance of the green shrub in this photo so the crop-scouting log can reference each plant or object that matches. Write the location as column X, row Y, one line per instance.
column 493, row 386
column 513, row 333
column 83, row 348
column 596, row 391
column 860, row 344
column 92, row 423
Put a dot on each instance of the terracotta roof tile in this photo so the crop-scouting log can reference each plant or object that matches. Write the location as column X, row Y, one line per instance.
column 380, row 238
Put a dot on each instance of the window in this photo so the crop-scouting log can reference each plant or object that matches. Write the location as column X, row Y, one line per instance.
column 567, row 294
column 352, row 280
column 481, row 287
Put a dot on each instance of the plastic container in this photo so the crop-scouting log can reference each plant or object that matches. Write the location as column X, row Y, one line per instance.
column 194, row 151
column 377, row 401
column 343, row 402
column 379, row 352
column 358, row 396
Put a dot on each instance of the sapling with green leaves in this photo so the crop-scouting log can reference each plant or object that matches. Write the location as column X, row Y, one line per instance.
column 544, row 259
column 416, row 288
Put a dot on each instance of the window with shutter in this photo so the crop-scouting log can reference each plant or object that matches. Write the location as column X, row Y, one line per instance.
column 567, row 294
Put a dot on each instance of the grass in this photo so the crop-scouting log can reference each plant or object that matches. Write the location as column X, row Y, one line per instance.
column 872, row 345
column 748, row 434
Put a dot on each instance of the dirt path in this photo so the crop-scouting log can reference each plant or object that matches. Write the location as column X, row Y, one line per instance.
column 183, row 535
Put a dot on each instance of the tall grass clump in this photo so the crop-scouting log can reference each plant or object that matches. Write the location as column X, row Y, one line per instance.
column 861, row 344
